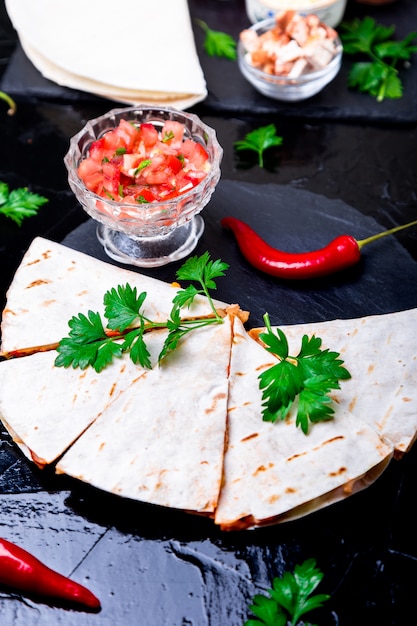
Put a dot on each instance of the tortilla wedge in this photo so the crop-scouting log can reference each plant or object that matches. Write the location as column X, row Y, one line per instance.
column 153, row 435
column 272, row 471
column 381, row 351
column 45, row 408
column 167, row 432
column 153, row 63
column 54, row 282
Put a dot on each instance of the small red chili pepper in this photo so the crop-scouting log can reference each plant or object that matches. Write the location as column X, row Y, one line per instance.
column 23, row 572
column 340, row 253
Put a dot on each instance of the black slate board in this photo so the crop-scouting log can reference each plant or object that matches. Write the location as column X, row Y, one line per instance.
column 294, row 220
column 156, row 566
column 229, row 92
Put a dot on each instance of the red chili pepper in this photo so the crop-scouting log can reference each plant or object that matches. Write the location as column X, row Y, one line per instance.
column 342, row 252
column 23, row 572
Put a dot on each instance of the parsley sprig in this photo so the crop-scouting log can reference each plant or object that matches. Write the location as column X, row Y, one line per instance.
column 289, row 598
column 259, row 140
column 19, row 203
column 92, row 343
column 378, row 75
column 308, row 377
column 217, row 43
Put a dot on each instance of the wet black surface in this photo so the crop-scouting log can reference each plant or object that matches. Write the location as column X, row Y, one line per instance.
column 157, row 567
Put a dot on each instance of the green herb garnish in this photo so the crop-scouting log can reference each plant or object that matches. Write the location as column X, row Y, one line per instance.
column 217, row 43
column 378, row 75
column 90, row 343
column 142, row 166
column 12, row 104
column 19, row 203
column 259, row 140
column 168, row 136
column 308, row 377
column 289, row 598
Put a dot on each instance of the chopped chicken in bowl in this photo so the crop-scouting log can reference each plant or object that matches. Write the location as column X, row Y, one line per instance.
column 290, row 56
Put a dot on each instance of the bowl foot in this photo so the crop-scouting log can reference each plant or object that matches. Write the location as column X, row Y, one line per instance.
column 151, row 251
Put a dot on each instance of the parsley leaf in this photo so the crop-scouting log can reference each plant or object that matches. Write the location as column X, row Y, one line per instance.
column 202, row 270
column 259, row 140
column 309, row 377
column 90, row 343
column 19, row 203
column 217, row 43
column 290, row 597
column 122, row 306
column 377, row 74
column 87, row 344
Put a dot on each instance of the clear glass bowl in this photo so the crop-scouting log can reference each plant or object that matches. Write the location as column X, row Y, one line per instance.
column 283, row 87
column 154, row 233
column 329, row 11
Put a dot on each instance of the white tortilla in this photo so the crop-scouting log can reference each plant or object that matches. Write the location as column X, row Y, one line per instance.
column 45, row 408
column 161, row 436
column 381, row 353
column 272, row 471
column 54, row 282
column 145, row 52
column 162, row 442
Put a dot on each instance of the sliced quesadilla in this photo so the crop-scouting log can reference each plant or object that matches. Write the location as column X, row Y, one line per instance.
column 381, row 352
column 54, row 282
column 189, row 434
column 163, row 440
column 156, row 61
column 272, row 471
column 45, row 408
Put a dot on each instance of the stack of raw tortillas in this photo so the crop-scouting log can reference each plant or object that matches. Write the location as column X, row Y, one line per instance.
column 189, row 434
column 138, row 52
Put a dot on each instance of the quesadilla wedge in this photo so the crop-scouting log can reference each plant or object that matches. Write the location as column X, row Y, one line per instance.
column 272, row 471
column 54, row 282
column 381, row 351
column 163, row 440
column 157, row 59
column 45, row 408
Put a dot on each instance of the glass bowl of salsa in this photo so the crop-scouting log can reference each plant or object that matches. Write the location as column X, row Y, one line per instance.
column 144, row 174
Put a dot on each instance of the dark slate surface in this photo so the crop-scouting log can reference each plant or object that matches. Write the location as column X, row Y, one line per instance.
column 154, row 567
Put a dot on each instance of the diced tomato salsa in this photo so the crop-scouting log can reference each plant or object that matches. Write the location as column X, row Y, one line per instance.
column 141, row 164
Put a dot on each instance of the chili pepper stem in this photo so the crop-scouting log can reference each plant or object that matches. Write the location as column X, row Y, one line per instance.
column 391, row 231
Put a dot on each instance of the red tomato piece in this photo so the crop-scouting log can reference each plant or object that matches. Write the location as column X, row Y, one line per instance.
column 194, row 152
column 148, row 135
column 145, row 195
column 128, row 134
column 172, row 133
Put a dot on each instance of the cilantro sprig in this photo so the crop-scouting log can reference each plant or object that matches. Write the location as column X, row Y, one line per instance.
column 90, row 342
column 289, row 598
column 218, row 43
column 259, row 140
column 378, row 73
column 19, row 204
column 307, row 377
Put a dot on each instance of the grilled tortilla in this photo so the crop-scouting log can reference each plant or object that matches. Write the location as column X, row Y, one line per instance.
column 153, row 435
column 190, row 434
column 167, row 432
column 272, row 471
column 53, row 283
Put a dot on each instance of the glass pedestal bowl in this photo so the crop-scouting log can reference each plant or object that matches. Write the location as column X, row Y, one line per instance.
column 154, row 233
